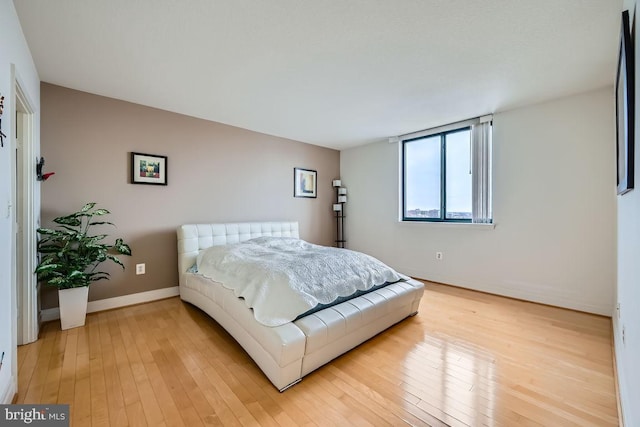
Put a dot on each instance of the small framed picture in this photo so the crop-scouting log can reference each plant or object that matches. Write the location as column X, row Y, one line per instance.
column 148, row 169
column 304, row 182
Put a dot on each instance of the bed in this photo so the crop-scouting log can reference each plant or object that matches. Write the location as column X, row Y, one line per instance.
column 287, row 352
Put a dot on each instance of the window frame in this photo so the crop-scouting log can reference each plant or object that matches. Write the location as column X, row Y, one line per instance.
column 443, row 174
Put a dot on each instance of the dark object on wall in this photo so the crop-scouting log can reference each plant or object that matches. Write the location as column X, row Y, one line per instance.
column 304, row 183
column 2, row 135
column 39, row 166
column 148, row 169
column 625, row 108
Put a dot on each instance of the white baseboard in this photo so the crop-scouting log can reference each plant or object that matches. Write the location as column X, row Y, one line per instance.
column 8, row 390
column 117, row 302
column 533, row 292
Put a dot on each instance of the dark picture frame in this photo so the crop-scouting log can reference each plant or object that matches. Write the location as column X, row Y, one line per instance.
column 305, row 183
column 148, row 169
column 625, row 108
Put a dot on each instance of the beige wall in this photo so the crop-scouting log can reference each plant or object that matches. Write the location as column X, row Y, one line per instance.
column 216, row 173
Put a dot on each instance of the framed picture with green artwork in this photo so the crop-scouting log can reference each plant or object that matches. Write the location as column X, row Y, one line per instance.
column 148, row 169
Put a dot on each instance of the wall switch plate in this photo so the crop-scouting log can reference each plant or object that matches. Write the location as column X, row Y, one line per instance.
column 140, row 269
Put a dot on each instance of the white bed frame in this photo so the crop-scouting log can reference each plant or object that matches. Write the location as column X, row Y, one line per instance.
column 288, row 352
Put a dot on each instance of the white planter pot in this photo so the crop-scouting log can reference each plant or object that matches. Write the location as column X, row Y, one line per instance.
column 73, row 306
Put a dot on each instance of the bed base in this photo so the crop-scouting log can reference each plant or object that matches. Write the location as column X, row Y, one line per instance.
column 288, row 352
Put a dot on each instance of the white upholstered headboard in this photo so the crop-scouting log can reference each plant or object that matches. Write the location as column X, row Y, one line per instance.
column 192, row 238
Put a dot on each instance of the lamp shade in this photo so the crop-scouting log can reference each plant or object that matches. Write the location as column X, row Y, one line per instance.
column 342, row 199
column 337, row 183
column 337, row 207
column 342, row 190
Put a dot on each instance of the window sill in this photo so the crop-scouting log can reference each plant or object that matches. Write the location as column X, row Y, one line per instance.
column 445, row 224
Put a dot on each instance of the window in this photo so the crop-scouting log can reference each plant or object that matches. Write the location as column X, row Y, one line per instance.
column 446, row 174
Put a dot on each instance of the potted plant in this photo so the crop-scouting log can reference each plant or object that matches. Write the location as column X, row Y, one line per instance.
column 70, row 256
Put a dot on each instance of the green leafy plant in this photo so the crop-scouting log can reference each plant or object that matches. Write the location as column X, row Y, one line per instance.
column 70, row 255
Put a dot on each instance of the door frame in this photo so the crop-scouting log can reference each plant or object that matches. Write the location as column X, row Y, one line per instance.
column 27, row 330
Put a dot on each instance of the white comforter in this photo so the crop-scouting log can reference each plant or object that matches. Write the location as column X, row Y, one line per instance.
column 281, row 278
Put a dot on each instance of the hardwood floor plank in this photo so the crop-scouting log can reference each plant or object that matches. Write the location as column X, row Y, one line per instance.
column 467, row 359
column 54, row 370
column 378, row 396
column 28, row 367
column 195, row 395
column 323, row 415
column 99, row 405
column 150, row 405
column 178, row 394
column 164, row 396
column 268, row 398
column 80, row 408
column 136, row 415
column 125, row 373
column 238, row 408
column 223, row 412
column 115, row 400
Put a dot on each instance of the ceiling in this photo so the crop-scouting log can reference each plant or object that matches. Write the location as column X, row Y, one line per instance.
column 333, row 73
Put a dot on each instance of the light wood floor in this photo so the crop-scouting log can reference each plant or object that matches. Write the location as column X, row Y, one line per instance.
column 466, row 359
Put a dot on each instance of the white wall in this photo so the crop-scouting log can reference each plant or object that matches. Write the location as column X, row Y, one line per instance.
column 628, row 289
column 554, row 206
column 13, row 50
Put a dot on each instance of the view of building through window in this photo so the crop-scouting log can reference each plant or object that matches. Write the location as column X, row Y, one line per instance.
column 437, row 176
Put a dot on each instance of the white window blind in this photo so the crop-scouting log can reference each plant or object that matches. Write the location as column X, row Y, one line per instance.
column 481, row 171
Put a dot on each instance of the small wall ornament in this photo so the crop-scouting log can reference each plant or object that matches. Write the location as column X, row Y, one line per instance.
column 2, row 135
column 39, row 166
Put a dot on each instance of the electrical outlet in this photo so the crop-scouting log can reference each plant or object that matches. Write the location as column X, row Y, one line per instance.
column 439, row 256
column 140, row 269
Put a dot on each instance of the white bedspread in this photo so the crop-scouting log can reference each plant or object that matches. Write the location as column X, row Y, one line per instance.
column 281, row 278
